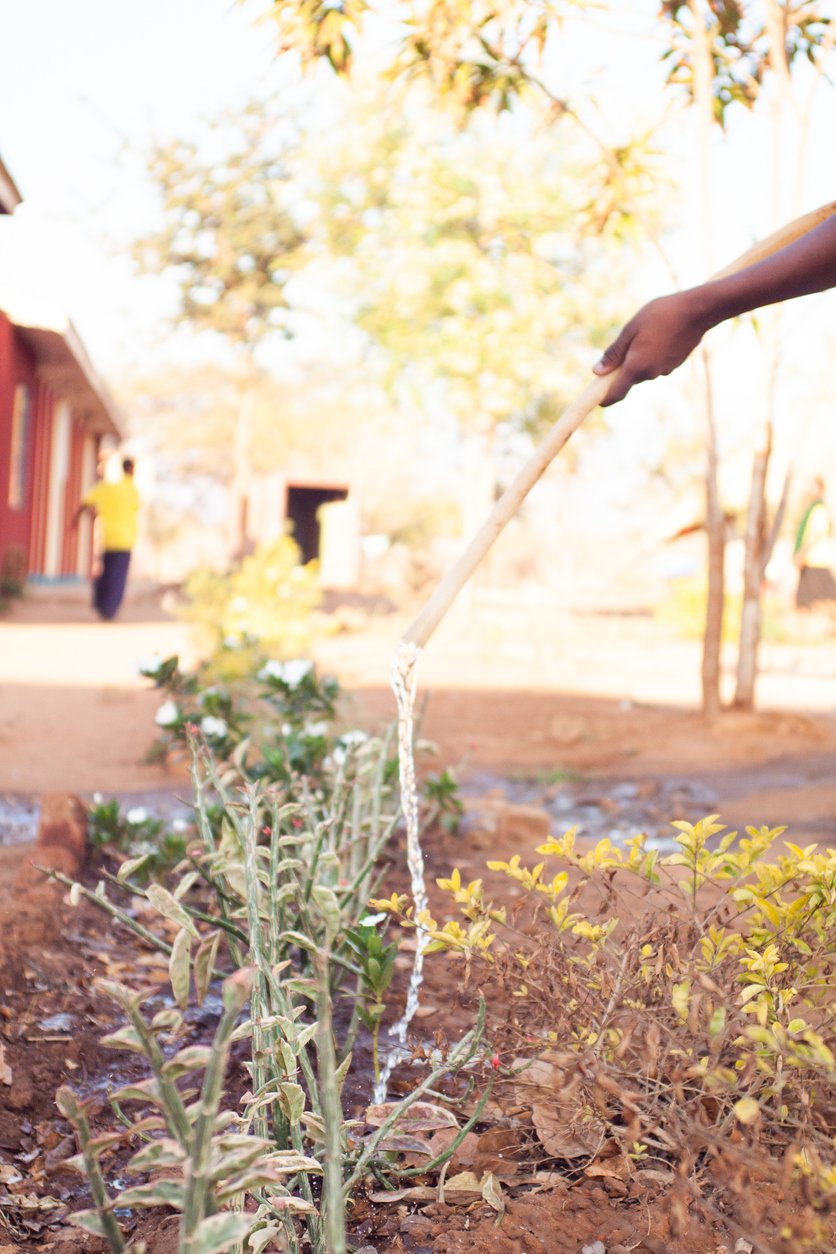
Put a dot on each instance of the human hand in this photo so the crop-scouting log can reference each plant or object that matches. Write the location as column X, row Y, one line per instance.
column 654, row 342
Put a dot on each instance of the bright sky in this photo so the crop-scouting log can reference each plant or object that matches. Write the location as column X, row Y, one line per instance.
column 86, row 86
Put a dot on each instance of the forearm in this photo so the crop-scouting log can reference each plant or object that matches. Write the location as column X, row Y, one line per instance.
column 807, row 265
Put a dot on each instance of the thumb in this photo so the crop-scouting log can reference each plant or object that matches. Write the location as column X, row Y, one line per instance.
column 613, row 356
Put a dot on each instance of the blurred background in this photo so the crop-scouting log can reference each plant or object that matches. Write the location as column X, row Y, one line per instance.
column 327, row 271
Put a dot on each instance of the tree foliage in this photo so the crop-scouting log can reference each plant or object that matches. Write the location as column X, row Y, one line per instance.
column 741, row 42
column 229, row 235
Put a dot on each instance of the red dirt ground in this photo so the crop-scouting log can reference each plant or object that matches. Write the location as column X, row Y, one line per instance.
column 521, row 692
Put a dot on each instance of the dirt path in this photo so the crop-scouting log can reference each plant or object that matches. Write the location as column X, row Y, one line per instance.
column 524, row 690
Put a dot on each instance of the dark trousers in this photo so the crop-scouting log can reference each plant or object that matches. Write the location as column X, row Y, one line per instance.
column 109, row 586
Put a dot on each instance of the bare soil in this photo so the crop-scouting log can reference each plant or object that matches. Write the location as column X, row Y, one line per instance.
column 562, row 710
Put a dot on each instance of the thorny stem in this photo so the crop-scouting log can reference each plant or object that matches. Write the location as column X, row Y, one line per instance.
column 460, row 1056
column 102, row 902
column 72, row 1110
column 198, row 1201
column 333, row 1200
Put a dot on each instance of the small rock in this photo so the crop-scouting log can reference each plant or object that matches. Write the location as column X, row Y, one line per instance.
column 743, row 1247
column 595, row 1247
column 522, row 823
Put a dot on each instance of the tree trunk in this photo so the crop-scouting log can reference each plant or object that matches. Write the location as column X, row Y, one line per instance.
column 239, row 489
column 754, row 565
column 715, row 526
column 757, row 546
column 715, row 523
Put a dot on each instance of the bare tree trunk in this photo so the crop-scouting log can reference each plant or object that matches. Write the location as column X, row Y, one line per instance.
column 784, row 114
column 715, row 526
column 715, row 523
column 754, row 565
column 238, row 539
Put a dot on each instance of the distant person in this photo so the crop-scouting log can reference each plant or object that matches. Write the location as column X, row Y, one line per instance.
column 664, row 332
column 814, row 550
column 116, row 506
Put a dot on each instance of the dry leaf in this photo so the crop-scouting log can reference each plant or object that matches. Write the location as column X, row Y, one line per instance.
column 610, row 1168
column 419, row 1117
column 464, row 1182
column 492, row 1193
column 402, row 1144
column 552, row 1088
column 464, row 1155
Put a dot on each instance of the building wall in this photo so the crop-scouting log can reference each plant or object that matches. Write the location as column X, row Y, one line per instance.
column 18, row 410
column 47, row 459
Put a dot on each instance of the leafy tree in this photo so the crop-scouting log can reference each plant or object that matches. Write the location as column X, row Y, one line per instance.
column 723, row 53
column 230, row 238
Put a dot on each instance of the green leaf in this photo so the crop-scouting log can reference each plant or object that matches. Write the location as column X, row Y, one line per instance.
column 90, row 1221
column 204, row 964
column 165, row 1152
column 178, row 967
column 192, row 1058
column 162, row 900
column 157, row 1193
column 219, row 1233
column 292, row 1098
column 125, row 1038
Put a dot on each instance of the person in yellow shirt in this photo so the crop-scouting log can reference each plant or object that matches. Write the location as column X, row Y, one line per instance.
column 116, row 506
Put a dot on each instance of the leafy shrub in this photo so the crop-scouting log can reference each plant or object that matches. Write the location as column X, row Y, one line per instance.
column 136, row 833
column 275, row 891
column 672, row 1014
column 263, row 606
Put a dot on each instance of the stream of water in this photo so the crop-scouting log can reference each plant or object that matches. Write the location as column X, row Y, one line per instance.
column 403, row 679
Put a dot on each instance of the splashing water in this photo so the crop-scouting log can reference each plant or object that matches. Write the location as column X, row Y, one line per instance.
column 403, row 684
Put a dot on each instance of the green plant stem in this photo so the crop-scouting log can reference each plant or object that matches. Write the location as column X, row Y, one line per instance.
column 170, row 1098
column 197, row 1201
column 74, row 1112
column 102, row 902
column 448, row 1153
column 459, row 1057
column 333, row 1201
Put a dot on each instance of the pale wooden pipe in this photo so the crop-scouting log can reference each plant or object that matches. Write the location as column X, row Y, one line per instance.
column 423, row 626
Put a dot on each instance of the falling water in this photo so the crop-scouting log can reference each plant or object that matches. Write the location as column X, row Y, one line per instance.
column 403, row 683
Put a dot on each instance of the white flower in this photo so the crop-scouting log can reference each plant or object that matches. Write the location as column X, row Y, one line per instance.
column 338, row 757
column 214, row 728
column 295, row 671
column 291, row 673
column 150, row 665
column 372, row 920
column 353, row 737
column 316, row 729
column 287, row 729
column 271, row 670
column 179, row 825
column 231, row 642
column 168, row 714
column 98, row 798
column 137, row 815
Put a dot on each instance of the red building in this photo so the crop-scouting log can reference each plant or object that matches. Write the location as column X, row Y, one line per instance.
column 54, row 412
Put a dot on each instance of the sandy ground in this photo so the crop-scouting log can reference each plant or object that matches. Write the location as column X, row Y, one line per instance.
column 511, row 684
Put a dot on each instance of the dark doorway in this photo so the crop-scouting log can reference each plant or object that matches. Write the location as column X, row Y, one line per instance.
column 302, row 506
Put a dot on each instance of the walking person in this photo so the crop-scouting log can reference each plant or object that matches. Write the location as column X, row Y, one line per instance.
column 116, row 506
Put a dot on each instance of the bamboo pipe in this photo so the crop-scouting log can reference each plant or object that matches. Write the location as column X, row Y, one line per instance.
column 425, row 623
